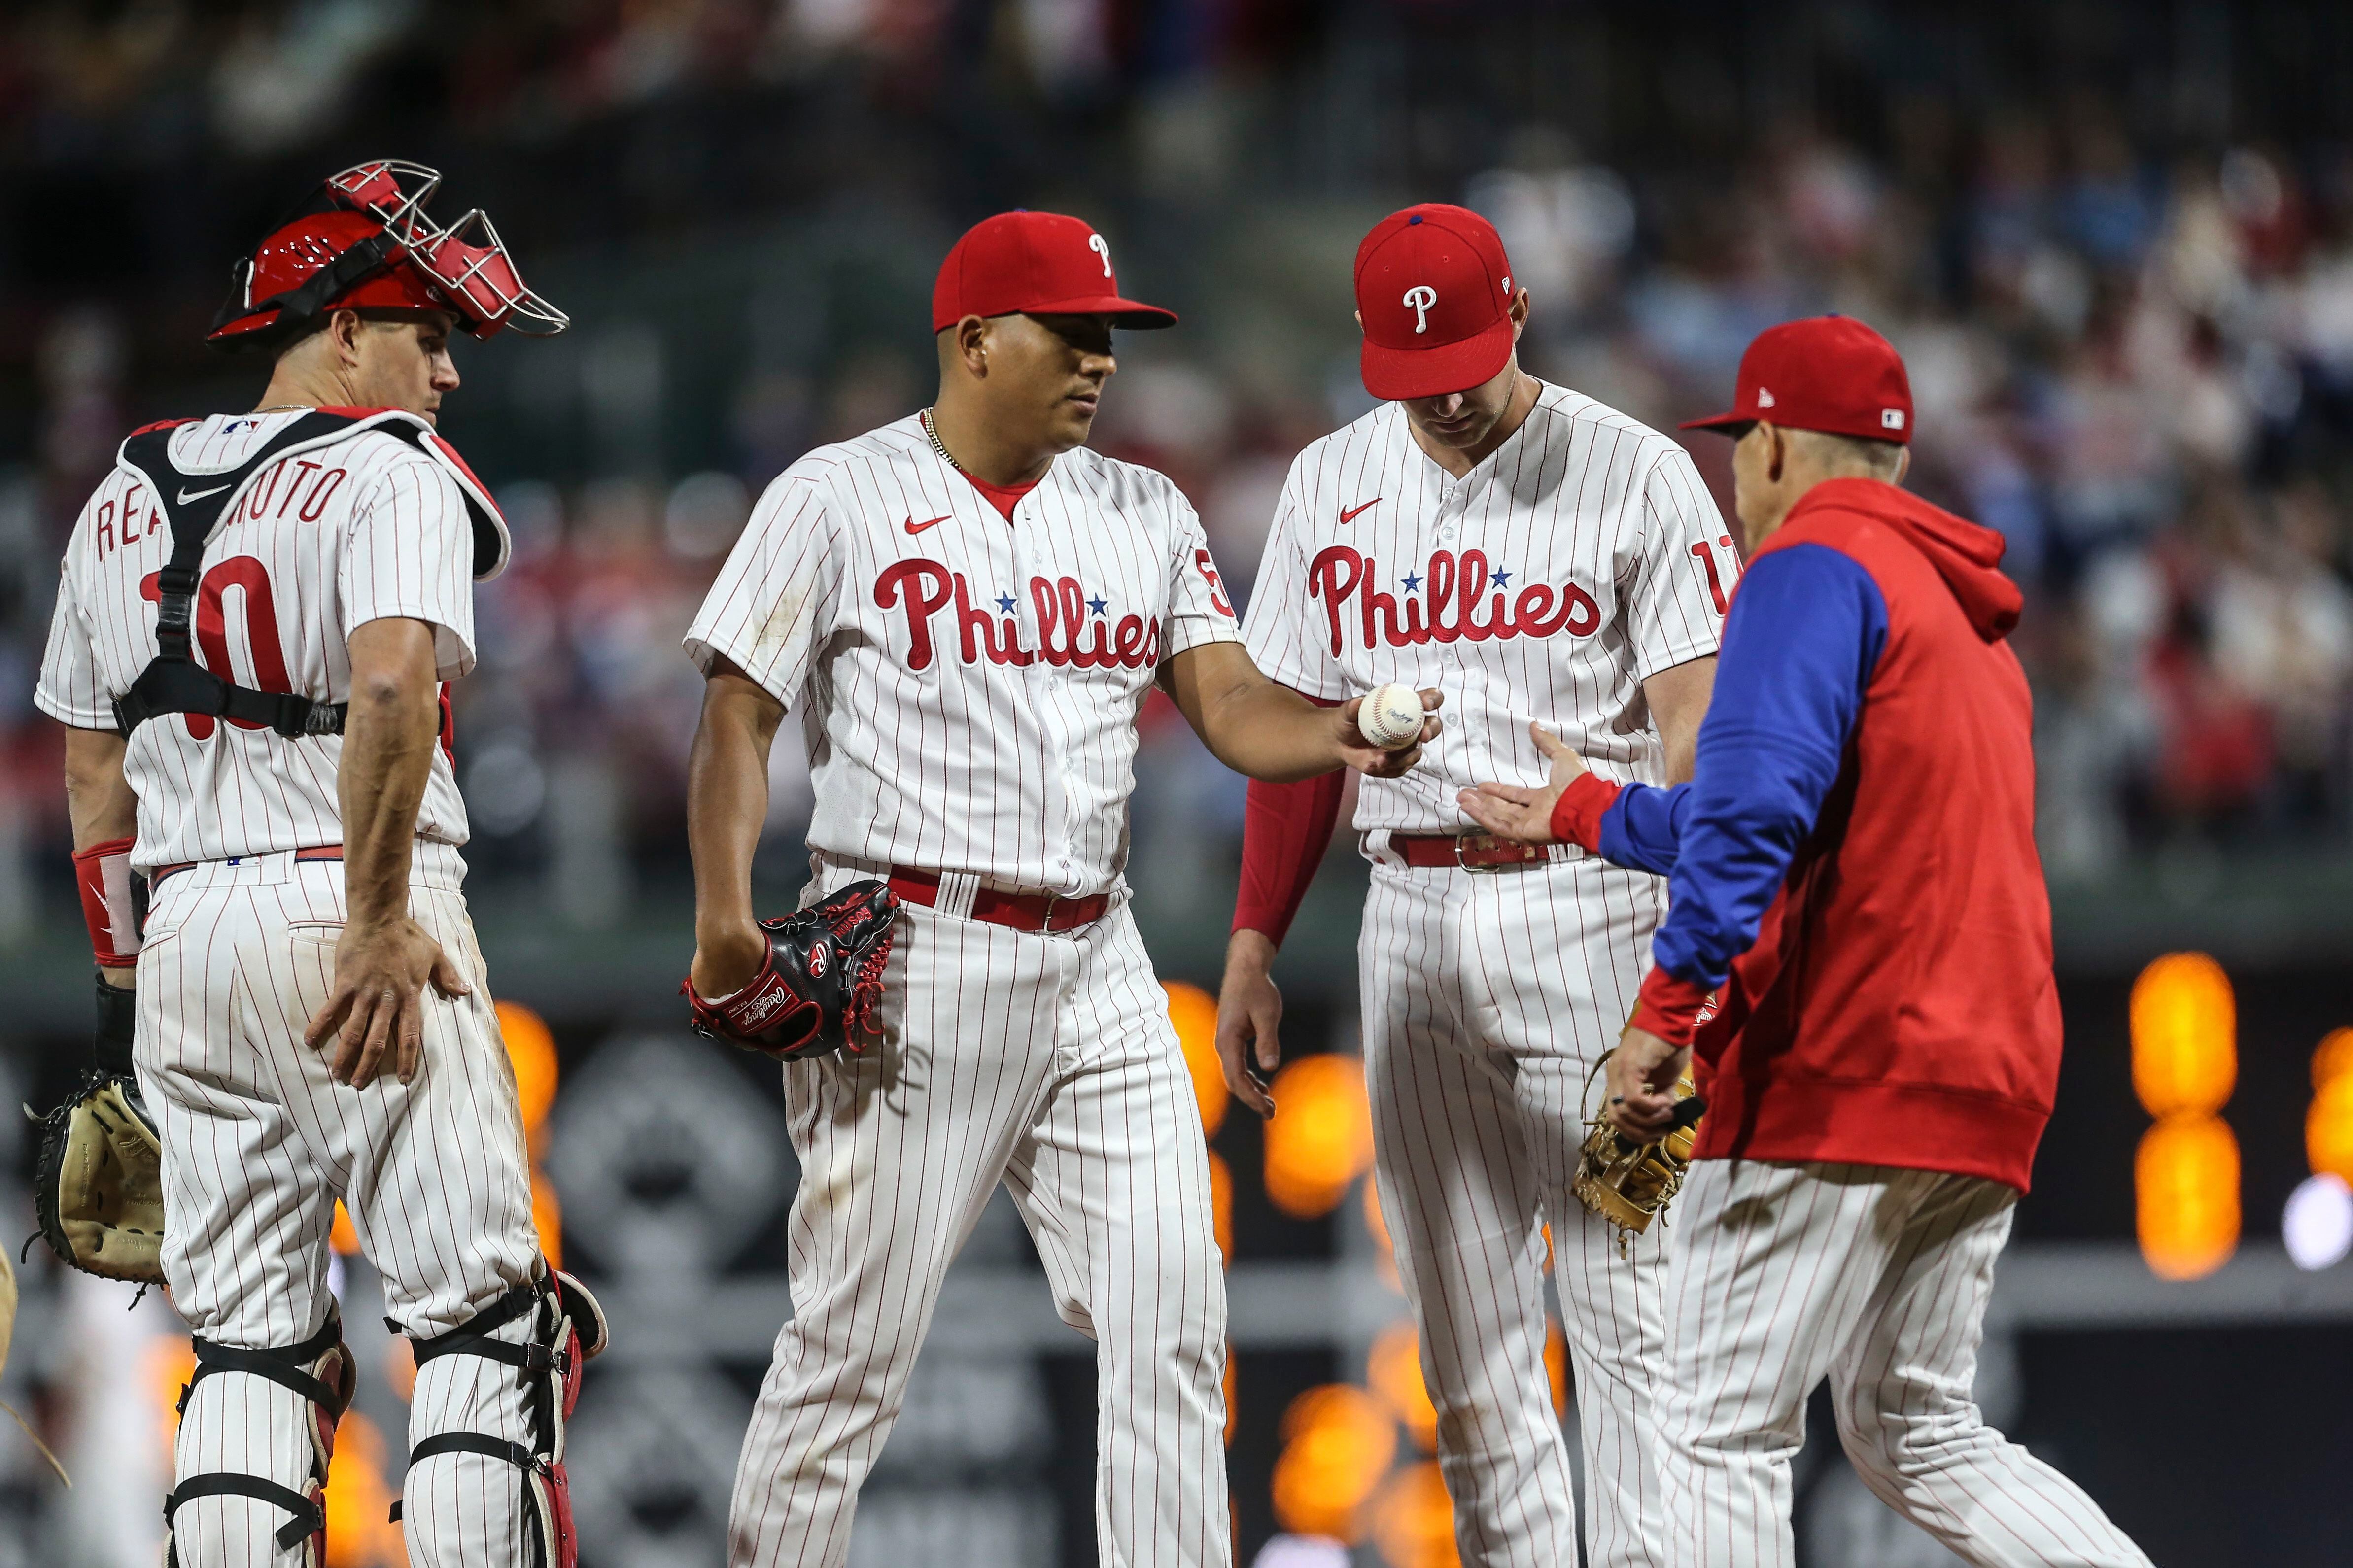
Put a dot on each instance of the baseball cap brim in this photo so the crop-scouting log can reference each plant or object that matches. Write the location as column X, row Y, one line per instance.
column 1398, row 373
column 1727, row 423
column 1123, row 313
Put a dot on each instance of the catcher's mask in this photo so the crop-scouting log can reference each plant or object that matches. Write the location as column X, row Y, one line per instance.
column 364, row 242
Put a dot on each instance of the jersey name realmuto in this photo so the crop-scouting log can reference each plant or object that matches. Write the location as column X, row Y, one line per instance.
column 1580, row 558
column 967, row 686
column 314, row 546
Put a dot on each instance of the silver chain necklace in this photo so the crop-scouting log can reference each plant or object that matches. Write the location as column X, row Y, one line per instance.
column 931, row 430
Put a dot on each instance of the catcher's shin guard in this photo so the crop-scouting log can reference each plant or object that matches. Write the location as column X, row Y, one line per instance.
column 568, row 1330
column 319, row 1369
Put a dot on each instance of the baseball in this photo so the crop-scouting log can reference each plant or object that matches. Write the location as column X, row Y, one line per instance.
column 1390, row 717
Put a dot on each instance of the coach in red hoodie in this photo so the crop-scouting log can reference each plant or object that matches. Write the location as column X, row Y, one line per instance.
column 1853, row 867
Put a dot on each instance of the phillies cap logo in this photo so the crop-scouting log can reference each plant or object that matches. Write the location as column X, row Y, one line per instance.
column 1419, row 299
column 1101, row 247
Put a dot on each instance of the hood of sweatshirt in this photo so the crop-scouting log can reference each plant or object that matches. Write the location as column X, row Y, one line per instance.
column 1967, row 555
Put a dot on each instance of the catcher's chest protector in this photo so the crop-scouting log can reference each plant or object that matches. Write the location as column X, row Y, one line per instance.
column 568, row 1330
column 319, row 1369
column 194, row 505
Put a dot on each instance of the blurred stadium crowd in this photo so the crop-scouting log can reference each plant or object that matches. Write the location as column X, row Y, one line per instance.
column 2131, row 345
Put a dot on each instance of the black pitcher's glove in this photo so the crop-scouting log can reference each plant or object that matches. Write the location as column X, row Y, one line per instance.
column 815, row 992
column 99, row 1184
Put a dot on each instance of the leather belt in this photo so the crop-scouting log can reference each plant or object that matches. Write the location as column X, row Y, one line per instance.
column 1470, row 851
column 1021, row 911
column 316, row 852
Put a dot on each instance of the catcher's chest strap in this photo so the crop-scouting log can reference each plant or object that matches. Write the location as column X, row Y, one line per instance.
column 310, row 1514
column 173, row 682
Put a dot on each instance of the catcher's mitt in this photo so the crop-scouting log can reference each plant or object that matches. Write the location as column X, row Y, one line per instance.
column 99, row 1184
column 816, row 990
column 1626, row 1182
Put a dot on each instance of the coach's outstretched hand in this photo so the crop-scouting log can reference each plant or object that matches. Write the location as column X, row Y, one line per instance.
column 381, row 972
column 1510, row 811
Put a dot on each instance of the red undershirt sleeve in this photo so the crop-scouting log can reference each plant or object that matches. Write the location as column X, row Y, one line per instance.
column 1286, row 831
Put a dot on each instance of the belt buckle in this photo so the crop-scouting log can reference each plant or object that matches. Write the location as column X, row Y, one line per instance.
column 1046, row 916
column 1460, row 839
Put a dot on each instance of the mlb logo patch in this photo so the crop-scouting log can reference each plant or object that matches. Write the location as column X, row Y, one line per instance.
column 1891, row 418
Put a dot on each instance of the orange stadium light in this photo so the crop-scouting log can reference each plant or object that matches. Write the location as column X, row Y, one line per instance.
column 1556, row 1364
column 2185, row 1063
column 2185, row 1046
column 1194, row 1013
column 2186, row 1181
column 2328, row 1125
column 359, row 1499
column 1221, row 1204
column 1338, row 1442
column 531, row 1047
column 1413, row 1523
column 1394, row 1372
column 1322, row 1135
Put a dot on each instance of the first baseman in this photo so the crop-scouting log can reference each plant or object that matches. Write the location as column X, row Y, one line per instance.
column 1538, row 558
column 257, row 614
column 1853, row 864
column 963, row 613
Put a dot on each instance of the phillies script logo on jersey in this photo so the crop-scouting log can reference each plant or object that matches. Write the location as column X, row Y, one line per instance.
column 1073, row 629
column 1449, row 603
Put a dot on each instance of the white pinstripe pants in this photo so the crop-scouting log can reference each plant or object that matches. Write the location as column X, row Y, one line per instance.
column 1048, row 1063
column 1878, row 1279
column 259, row 1142
column 1486, row 1000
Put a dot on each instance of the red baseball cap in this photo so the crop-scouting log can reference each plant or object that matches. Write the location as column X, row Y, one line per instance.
column 1435, row 289
column 1039, row 264
column 1824, row 373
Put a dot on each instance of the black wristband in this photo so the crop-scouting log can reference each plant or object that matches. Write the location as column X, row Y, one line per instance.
column 117, row 1019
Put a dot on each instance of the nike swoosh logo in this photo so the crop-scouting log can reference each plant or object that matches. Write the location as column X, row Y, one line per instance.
column 187, row 496
column 1350, row 513
column 911, row 526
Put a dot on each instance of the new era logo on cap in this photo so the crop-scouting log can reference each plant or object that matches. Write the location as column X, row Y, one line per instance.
column 1434, row 293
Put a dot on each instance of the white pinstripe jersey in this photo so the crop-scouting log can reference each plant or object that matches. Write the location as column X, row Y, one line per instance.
column 972, row 685
column 316, row 544
column 1581, row 557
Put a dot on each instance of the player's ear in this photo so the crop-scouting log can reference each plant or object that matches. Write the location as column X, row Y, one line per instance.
column 343, row 329
column 1903, row 465
column 1360, row 321
column 1777, row 449
column 1519, row 315
column 972, row 344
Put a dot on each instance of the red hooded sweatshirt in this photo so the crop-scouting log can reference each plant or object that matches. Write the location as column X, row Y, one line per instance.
column 1896, row 1005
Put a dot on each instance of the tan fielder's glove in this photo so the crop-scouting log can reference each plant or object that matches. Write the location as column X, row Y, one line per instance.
column 98, row 1185
column 1627, row 1183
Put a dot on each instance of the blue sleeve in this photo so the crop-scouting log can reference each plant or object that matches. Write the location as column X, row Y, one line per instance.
column 1642, row 827
column 1806, row 630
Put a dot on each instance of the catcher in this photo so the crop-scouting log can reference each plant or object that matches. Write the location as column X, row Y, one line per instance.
column 291, row 1005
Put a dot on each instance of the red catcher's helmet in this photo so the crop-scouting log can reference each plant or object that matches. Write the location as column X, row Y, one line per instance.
column 365, row 244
